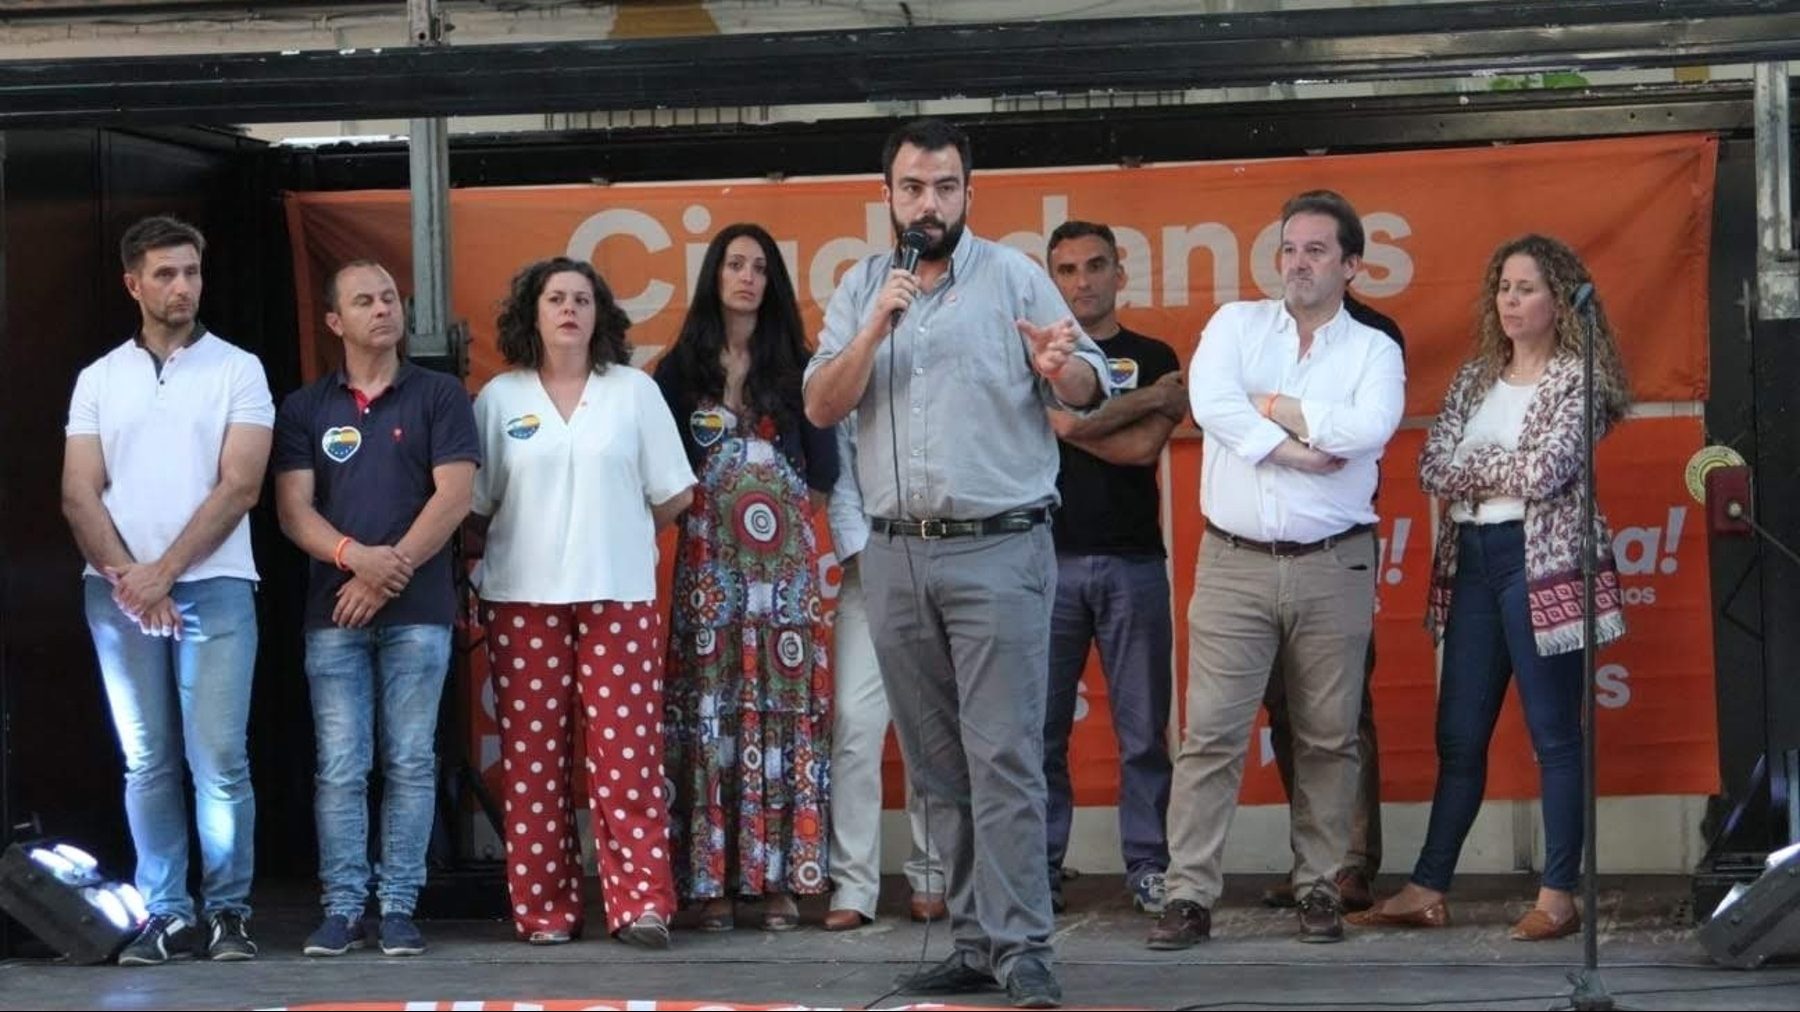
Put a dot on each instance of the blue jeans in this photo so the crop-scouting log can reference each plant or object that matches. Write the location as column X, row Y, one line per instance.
column 1487, row 639
column 1123, row 604
column 169, row 697
column 386, row 677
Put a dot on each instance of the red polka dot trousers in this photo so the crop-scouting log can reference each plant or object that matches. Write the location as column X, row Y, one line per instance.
column 600, row 663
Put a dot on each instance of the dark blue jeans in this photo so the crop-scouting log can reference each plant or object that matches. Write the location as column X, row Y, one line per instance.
column 1486, row 640
column 1122, row 604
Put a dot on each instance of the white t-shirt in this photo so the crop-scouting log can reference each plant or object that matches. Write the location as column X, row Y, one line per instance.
column 161, row 436
column 570, row 501
column 1498, row 422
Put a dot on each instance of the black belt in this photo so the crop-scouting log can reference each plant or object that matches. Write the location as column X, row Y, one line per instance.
column 1287, row 549
column 1010, row 522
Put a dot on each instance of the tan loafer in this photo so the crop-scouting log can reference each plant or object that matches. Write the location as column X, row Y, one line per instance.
column 1538, row 926
column 1435, row 915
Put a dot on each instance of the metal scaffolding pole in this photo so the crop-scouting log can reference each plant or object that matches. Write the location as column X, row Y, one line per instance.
column 428, row 143
column 1777, row 268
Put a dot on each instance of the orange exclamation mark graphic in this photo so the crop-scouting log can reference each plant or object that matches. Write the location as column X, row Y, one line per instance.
column 1395, row 549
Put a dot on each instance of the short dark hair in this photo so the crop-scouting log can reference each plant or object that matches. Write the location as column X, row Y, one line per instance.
column 520, row 343
column 159, row 232
column 1076, row 229
column 1332, row 203
column 331, row 283
column 926, row 135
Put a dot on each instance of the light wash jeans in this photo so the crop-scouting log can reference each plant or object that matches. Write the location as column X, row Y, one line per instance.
column 191, row 697
column 384, row 679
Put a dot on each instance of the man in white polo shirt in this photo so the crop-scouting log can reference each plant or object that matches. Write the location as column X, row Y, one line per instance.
column 168, row 437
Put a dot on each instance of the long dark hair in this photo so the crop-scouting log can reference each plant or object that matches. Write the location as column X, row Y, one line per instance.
column 520, row 343
column 778, row 352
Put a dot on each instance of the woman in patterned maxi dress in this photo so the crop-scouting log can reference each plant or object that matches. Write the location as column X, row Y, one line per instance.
column 748, row 689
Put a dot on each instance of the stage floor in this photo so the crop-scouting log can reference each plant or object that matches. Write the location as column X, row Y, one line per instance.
column 1650, row 959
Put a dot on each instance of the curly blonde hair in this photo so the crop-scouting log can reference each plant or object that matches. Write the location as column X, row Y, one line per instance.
column 1563, row 272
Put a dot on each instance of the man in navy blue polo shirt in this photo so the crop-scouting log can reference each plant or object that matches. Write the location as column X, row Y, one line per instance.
column 375, row 466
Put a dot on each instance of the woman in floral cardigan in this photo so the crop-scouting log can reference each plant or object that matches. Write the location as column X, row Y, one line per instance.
column 1505, row 456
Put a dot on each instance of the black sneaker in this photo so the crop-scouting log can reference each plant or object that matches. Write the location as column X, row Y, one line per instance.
column 230, row 938
column 164, row 937
column 1183, row 925
column 1032, row 985
column 1321, row 916
column 952, row 976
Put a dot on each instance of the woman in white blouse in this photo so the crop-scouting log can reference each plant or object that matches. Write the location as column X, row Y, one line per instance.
column 1505, row 455
column 584, row 465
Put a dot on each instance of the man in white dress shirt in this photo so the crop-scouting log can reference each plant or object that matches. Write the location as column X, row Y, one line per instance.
column 1297, row 401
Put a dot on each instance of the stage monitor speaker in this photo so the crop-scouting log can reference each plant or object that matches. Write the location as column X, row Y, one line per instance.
column 57, row 892
column 1760, row 920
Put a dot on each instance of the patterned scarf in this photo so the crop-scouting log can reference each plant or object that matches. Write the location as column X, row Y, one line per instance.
column 1545, row 471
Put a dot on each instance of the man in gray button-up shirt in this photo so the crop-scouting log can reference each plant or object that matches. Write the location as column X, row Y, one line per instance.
column 950, row 405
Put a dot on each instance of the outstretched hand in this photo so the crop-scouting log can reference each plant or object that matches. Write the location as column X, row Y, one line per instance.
column 1051, row 346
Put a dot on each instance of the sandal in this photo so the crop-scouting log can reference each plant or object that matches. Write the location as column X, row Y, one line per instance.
column 779, row 912
column 717, row 915
column 648, row 931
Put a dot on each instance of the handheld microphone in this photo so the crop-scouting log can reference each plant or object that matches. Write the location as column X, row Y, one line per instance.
column 912, row 245
column 1584, row 297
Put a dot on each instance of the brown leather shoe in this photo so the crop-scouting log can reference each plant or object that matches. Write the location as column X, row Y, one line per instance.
column 1321, row 916
column 929, row 907
column 844, row 920
column 1353, row 889
column 1183, row 925
column 1538, row 926
column 1435, row 915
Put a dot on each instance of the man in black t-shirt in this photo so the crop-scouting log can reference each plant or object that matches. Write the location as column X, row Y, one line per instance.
column 1363, row 860
column 1112, row 584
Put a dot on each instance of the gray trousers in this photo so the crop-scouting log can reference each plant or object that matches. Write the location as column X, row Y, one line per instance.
column 963, row 629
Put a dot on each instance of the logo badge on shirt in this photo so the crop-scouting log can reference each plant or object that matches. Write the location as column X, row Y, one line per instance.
column 1124, row 373
column 707, row 426
column 341, row 442
column 523, row 427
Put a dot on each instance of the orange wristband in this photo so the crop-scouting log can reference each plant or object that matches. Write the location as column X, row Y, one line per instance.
column 337, row 554
column 1268, row 409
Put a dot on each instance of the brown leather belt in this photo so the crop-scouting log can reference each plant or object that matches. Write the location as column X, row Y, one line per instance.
column 1010, row 522
column 1287, row 549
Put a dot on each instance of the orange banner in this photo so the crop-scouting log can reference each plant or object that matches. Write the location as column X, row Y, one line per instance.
column 1192, row 237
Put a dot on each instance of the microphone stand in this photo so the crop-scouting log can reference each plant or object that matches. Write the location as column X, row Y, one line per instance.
column 1589, row 989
